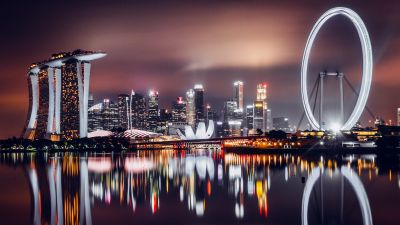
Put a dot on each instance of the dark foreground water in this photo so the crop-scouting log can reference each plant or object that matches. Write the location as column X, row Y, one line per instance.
column 198, row 187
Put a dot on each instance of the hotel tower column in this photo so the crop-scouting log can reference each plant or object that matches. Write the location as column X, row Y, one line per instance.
column 34, row 103
column 50, row 117
column 57, row 74
column 80, row 94
column 86, row 81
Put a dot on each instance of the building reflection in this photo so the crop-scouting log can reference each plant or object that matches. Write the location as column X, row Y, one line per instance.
column 65, row 187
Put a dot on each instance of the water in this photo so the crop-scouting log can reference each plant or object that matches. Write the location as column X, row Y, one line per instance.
column 198, row 187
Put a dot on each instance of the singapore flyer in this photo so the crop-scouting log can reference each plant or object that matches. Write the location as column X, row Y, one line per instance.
column 367, row 66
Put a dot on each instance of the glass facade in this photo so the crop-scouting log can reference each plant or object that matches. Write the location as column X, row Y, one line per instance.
column 153, row 117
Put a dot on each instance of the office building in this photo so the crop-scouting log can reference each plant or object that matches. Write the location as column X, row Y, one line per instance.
column 269, row 120
column 179, row 110
column 109, row 113
column 239, row 94
column 199, row 103
column 249, row 117
column 398, row 116
column 152, row 111
column 138, row 111
column 164, row 119
column 230, row 107
column 258, row 118
column 262, row 91
column 123, row 112
column 190, row 108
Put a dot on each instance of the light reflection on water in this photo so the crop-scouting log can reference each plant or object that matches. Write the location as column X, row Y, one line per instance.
column 208, row 187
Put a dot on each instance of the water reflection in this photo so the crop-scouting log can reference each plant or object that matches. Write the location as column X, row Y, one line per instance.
column 67, row 188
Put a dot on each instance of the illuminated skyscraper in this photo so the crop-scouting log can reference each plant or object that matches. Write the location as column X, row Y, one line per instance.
column 262, row 99
column 199, row 102
column 138, row 111
column 262, row 91
column 152, row 111
column 179, row 110
column 190, row 108
column 210, row 114
column 398, row 116
column 59, row 94
column 109, row 115
column 229, row 110
column 258, row 122
column 269, row 120
column 123, row 106
column 239, row 94
column 95, row 119
column 250, row 116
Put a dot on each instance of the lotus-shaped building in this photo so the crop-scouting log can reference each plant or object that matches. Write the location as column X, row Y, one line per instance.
column 201, row 132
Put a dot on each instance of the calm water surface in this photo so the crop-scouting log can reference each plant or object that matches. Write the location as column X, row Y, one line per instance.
column 198, row 187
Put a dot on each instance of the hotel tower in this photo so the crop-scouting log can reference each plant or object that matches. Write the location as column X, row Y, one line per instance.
column 58, row 96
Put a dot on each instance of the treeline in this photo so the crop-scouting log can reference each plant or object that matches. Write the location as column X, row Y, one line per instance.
column 82, row 144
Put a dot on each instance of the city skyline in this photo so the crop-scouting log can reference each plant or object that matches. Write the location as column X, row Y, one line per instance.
column 252, row 50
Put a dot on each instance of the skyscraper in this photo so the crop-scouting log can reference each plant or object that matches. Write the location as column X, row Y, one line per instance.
column 229, row 110
column 262, row 98
column 163, row 119
column 258, row 122
column 398, row 116
column 249, row 117
column 262, row 91
column 109, row 115
column 95, row 117
column 152, row 111
column 190, row 108
column 199, row 102
column 138, row 111
column 123, row 105
column 239, row 94
column 179, row 110
column 59, row 94
column 269, row 120
column 210, row 114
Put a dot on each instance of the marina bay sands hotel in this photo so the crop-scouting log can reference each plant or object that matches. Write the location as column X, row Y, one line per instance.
column 58, row 96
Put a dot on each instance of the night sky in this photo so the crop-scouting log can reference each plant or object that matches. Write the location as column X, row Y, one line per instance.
column 171, row 46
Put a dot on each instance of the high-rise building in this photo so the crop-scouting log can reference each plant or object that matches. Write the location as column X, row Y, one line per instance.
column 123, row 106
column 210, row 114
column 179, row 110
column 90, row 101
column 262, row 97
column 190, row 108
column 152, row 111
column 59, row 95
column 269, row 120
column 398, row 116
column 230, row 107
column 199, row 102
column 138, row 111
column 109, row 115
column 249, row 117
column 95, row 118
column 262, row 91
column 281, row 123
column 235, row 128
column 258, row 118
column 164, row 118
column 239, row 94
